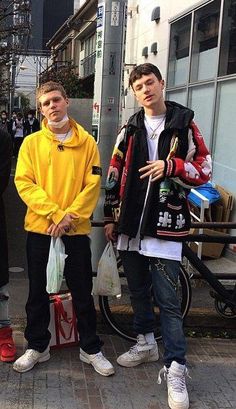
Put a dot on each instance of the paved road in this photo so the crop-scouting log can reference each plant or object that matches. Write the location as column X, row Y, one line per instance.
column 66, row 383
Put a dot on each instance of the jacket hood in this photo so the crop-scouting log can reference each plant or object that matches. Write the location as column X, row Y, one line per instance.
column 79, row 135
column 177, row 116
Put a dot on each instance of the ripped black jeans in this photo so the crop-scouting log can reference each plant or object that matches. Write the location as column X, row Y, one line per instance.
column 141, row 273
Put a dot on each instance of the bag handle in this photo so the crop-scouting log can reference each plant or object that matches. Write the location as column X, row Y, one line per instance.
column 61, row 313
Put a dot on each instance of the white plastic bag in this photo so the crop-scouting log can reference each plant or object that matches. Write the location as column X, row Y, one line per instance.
column 107, row 281
column 56, row 264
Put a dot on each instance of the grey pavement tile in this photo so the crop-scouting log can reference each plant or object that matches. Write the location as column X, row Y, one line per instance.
column 95, row 402
column 9, row 405
column 116, row 401
column 65, row 382
column 215, row 405
column 93, row 389
column 25, row 404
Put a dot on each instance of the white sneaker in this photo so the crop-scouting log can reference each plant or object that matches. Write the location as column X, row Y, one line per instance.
column 177, row 391
column 139, row 353
column 30, row 358
column 99, row 362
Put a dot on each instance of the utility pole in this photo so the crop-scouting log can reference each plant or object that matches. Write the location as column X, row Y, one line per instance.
column 111, row 26
column 12, row 82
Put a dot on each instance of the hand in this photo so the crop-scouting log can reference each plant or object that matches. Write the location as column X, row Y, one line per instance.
column 65, row 225
column 155, row 168
column 110, row 232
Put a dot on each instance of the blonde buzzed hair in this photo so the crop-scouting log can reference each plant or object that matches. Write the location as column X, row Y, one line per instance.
column 50, row 86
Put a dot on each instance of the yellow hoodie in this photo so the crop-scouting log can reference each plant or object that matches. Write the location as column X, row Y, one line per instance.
column 53, row 183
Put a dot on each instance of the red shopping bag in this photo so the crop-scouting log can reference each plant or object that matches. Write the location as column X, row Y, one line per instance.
column 62, row 324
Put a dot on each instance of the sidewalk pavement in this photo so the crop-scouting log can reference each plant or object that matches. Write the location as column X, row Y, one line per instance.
column 64, row 382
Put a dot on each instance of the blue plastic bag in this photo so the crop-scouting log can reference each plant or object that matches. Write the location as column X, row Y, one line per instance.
column 208, row 191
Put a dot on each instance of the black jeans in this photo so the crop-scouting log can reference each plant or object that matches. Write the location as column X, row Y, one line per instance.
column 78, row 275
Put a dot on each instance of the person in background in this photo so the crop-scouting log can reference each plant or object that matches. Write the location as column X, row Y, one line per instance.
column 11, row 130
column 31, row 123
column 18, row 131
column 158, row 156
column 7, row 346
column 4, row 122
column 58, row 176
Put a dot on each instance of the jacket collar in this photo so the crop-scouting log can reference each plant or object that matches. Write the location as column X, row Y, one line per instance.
column 177, row 117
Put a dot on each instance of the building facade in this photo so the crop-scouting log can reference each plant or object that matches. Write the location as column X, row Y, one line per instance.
column 74, row 44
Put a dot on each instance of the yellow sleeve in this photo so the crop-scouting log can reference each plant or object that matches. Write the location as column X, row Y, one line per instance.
column 85, row 202
column 31, row 193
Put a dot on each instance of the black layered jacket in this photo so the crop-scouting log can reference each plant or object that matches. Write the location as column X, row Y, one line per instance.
column 166, row 213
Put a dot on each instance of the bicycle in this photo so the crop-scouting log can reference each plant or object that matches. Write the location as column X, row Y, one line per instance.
column 118, row 313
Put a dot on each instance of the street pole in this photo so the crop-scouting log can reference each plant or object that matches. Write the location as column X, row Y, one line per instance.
column 12, row 83
column 111, row 26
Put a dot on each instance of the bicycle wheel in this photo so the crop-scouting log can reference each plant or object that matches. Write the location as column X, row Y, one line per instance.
column 118, row 312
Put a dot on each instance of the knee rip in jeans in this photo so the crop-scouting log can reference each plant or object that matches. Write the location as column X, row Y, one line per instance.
column 162, row 268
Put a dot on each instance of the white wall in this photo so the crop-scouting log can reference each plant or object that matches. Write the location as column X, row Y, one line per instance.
column 81, row 111
column 142, row 32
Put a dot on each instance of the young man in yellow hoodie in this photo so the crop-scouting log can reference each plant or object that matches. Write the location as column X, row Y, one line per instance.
column 58, row 177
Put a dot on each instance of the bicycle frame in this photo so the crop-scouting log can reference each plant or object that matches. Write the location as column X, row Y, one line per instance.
column 228, row 296
column 208, row 275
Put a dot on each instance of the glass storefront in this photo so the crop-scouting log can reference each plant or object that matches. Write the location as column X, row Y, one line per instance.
column 202, row 75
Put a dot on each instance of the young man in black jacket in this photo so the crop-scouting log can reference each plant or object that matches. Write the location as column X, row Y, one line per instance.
column 158, row 156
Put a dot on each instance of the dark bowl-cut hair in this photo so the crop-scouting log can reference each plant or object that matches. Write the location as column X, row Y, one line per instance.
column 144, row 69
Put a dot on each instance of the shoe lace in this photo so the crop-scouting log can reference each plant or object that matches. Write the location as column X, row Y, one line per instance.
column 134, row 350
column 100, row 357
column 176, row 382
column 30, row 353
column 163, row 371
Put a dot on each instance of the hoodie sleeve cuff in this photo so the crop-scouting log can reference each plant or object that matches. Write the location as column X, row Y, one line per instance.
column 58, row 216
column 169, row 168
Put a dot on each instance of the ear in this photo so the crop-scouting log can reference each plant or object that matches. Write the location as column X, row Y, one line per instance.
column 162, row 84
column 41, row 109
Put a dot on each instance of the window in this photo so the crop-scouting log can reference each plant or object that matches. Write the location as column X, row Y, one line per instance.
column 177, row 96
column 179, row 52
column 201, row 99
column 228, row 41
column 205, row 42
column 225, row 144
column 88, row 61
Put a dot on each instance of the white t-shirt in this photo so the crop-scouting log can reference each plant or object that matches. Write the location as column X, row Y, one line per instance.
column 62, row 137
column 150, row 246
column 18, row 127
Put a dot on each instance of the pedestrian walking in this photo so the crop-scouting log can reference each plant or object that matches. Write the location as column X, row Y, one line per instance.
column 31, row 123
column 4, row 122
column 7, row 346
column 158, row 156
column 18, row 132
column 58, row 177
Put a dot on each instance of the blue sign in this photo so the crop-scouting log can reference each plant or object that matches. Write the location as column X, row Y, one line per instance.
column 100, row 14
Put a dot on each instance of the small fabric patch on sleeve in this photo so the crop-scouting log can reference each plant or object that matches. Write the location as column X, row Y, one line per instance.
column 96, row 170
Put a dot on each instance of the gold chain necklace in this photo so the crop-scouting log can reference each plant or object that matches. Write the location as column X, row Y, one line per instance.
column 154, row 135
column 60, row 146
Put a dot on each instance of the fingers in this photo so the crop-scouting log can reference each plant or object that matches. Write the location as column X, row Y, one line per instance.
column 55, row 231
column 110, row 233
column 155, row 169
